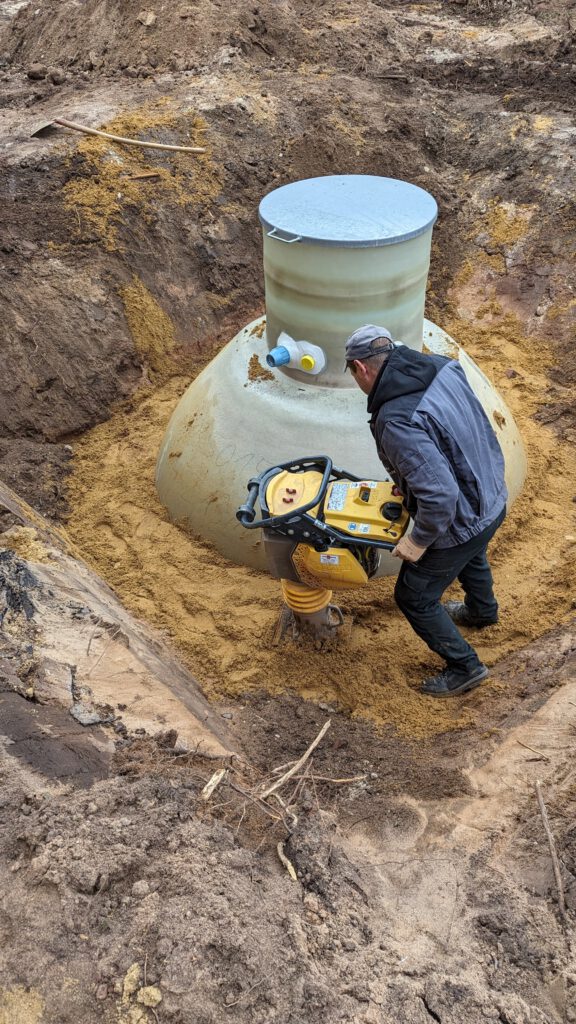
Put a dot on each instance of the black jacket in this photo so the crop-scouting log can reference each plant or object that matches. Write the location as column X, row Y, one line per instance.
column 439, row 447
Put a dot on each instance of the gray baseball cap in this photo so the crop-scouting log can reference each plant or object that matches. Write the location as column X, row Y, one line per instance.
column 359, row 343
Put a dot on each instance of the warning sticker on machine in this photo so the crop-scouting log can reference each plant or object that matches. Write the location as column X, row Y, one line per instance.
column 337, row 497
column 330, row 559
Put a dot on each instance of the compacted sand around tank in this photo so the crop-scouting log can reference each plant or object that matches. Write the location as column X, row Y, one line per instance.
column 222, row 616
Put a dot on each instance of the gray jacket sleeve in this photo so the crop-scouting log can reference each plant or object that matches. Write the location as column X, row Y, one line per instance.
column 426, row 473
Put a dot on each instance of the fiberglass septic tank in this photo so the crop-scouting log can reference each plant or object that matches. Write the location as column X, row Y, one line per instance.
column 339, row 251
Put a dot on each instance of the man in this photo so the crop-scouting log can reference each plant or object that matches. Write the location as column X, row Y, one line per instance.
column 436, row 442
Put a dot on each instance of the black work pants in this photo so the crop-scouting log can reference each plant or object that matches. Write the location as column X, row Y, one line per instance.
column 421, row 584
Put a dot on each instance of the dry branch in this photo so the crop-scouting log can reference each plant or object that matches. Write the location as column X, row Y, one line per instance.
column 281, row 810
column 287, row 863
column 64, row 123
column 534, row 751
column 335, row 782
column 213, row 782
column 111, row 640
column 283, row 767
column 298, row 764
column 553, row 854
column 286, row 807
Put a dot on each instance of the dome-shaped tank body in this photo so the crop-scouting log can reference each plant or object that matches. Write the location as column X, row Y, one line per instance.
column 339, row 252
column 233, row 422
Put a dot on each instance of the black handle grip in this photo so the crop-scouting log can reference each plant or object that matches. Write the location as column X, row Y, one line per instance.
column 257, row 488
column 246, row 513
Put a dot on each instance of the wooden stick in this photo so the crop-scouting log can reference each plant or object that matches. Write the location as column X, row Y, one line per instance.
column 144, row 175
column 286, row 807
column 92, row 635
column 294, row 795
column 242, row 816
column 283, row 622
column 298, row 764
column 287, row 863
column 335, row 782
column 553, row 854
column 534, row 751
column 64, row 123
column 283, row 767
column 213, row 782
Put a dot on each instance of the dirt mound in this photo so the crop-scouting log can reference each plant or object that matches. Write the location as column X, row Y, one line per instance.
column 179, row 37
column 176, row 36
column 104, row 38
column 134, row 895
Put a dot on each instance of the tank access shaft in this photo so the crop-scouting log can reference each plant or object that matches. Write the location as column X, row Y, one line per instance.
column 312, row 610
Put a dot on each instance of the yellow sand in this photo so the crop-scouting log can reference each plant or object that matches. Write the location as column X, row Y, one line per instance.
column 222, row 616
column 151, row 328
column 25, row 541
column 114, row 179
column 507, row 223
column 20, row 1006
column 541, row 123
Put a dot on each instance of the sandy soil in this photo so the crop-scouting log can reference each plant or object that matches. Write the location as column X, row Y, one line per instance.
column 222, row 617
column 424, row 888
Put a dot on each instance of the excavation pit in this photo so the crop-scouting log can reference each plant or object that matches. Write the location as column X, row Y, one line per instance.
column 425, row 887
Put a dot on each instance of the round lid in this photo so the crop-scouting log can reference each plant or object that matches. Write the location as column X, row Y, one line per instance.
column 348, row 209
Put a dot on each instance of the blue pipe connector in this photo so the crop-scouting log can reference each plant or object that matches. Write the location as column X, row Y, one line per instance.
column 278, row 356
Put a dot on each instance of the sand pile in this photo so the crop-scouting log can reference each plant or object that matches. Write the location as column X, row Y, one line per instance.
column 151, row 328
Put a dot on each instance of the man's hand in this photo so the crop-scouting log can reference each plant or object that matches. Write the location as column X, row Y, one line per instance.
column 408, row 550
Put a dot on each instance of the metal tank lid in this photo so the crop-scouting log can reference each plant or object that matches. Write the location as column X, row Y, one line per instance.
column 356, row 210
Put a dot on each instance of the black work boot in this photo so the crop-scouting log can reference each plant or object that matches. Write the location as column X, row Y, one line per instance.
column 461, row 615
column 449, row 683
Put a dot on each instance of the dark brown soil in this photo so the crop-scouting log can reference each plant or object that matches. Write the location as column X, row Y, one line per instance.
column 139, row 870
column 37, row 469
column 48, row 741
column 275, row 730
